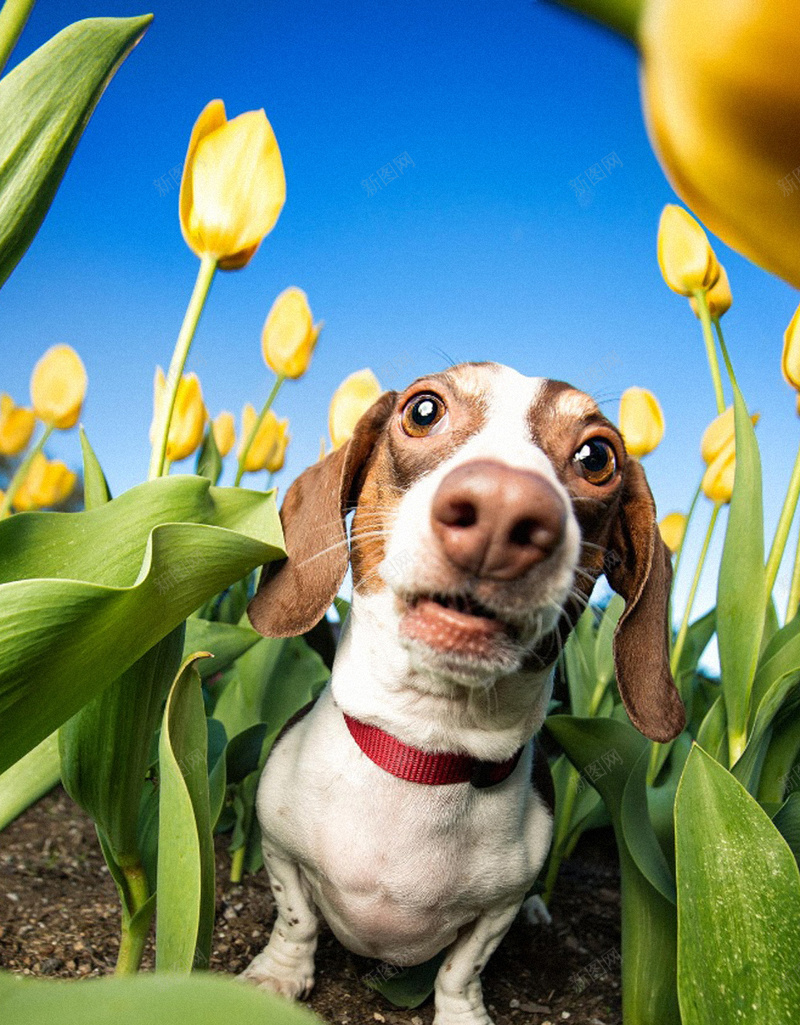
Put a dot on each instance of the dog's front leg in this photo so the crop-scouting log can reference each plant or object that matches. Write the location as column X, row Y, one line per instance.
column 286, row 964
column 459, row 998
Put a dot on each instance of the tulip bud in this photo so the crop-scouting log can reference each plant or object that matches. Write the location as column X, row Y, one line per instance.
column 717, row 483
column 224, row 433
column 672, row 528
column 685, row 256
column 45, row 485
column 790, row 363
column 718, row 297
column 719, row 434
column 189, row 415
column 233, row 186
column 289, row 334
column 58, row 387
column 350, row 401
column 641, row 421
column 268, row 448
column 16, row 427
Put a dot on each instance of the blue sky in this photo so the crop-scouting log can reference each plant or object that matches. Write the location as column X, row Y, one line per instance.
column 479, row 250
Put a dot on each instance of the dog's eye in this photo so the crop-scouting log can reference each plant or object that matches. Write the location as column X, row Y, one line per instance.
column 596, row 461
column 422, row 414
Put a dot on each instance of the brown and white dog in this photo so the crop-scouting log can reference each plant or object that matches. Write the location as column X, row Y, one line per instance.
column 401, row 807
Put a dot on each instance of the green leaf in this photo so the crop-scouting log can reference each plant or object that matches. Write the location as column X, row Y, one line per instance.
column 778, row 672
column 185, row 844
column 787, row 821
column 777, row 679
column 604, row 644
column 209, row 461
column 232, row 604
column 105, row 747
column 639, row 834
column 712, row 735
column 30, row 778
column 782, row 753
column 202, row 999
column 579, row 665
column 405, row 987
column 84, row 595
column 606, row 751
column 225, row 641
column 270, row 682
column 698, row 638
column 738, row 904
column 45, row 105
column 742, row 580
column 243, row 752
column 96, row 491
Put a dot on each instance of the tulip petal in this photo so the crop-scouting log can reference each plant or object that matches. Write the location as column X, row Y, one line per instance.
column 790, row 362
column 350, row 401
column 238, row 185
column 58, row 387
column 212, row 116
column 289, row 335
column 641, row 421
column 685, row 256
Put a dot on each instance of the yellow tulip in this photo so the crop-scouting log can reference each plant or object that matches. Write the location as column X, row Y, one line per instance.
column 721, row 98
column 685, row 256
column 268, row 449
column 641, row 421
column 721, row 94
column 47, row 483
column 350, row 401
column 672, row 528
column 16, row 426
column 718, row 297
column 188, row 417
column 289, row 334
column 58, row 387
column 233, row 186
column 224, row 433
column 790, row 364
column 719, row 434
column 717, row 483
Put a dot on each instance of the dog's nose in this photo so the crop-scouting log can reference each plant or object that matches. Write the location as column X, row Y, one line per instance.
column 496, row 521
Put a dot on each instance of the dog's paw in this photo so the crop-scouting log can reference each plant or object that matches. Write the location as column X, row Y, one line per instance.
column 294, row 982
column 464, row 1015
column 535, row 911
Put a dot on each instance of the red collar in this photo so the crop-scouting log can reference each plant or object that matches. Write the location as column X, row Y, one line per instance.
column 429, row 767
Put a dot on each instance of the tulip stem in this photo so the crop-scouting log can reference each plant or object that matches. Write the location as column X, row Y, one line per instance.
column 679, row 552
column 205, row 276
column 794, row 592
column 13, row 18
column 240, row 469
column 680, row 641
column 711, row 348
column 22, row 472
column 782, row 530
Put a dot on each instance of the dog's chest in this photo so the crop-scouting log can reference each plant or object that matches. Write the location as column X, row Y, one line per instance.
column 396, row 867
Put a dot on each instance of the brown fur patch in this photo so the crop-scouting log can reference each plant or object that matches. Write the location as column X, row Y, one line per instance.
column 399, row 460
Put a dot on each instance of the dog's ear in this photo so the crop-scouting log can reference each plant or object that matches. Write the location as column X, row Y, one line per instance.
column 295, row 593
column 638, row 567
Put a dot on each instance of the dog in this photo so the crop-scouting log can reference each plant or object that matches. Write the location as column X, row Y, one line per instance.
column 403, row 806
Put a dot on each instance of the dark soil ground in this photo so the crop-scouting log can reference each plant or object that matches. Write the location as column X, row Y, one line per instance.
column 59, row 917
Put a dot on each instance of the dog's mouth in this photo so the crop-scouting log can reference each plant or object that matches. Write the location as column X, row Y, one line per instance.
column 456, row 624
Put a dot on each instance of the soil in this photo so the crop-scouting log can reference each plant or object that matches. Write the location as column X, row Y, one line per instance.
column 59, row 917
